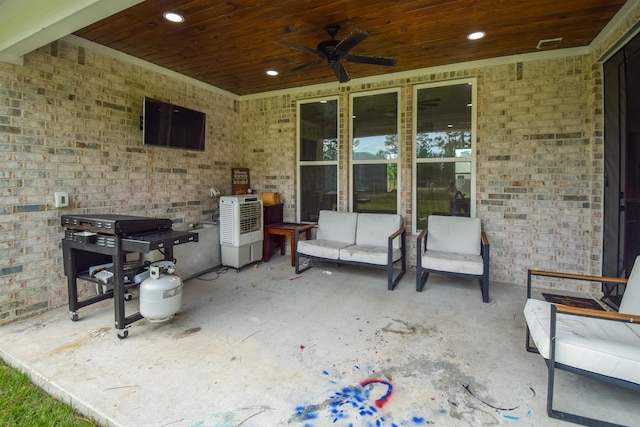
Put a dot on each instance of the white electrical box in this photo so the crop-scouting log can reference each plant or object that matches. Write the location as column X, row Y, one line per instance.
column 61, row 199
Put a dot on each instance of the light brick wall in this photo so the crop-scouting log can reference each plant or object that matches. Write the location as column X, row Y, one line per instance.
column 535, row 170
column 268, row 149
column 538, row 182
column 69, row 121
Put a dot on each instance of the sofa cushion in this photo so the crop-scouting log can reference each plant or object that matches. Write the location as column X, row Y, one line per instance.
column 374, row 229
column 630, row 303
column 453, row 262
column 321, row 248
column 601, row 346
column 337, row 226
column 369, row 254
column 454, row 234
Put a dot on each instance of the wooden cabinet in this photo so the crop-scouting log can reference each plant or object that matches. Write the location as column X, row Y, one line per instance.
column 273, row 214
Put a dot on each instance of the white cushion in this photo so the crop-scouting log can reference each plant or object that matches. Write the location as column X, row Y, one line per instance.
column 374, row 229
column 321, row 248
column 595, row 345
column 368, row 253
column 454, row 234
column 453, row 262
column 337, row 226
column 630, row 303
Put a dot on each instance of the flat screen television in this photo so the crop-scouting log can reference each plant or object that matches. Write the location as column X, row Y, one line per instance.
column 169, row 125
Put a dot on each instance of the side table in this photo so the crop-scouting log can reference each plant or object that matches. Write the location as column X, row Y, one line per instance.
column 281, row 230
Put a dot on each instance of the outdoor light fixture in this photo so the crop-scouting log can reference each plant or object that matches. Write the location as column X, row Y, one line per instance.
column 173, row 17
column 476, row 36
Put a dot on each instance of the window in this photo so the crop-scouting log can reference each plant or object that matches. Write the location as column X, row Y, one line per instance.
column 444, row 157
column 374, row 152
column 317, row 158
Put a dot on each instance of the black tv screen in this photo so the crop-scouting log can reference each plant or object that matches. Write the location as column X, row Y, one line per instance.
column 170, row 125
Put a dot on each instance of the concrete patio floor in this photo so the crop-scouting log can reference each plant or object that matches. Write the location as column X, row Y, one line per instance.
column 330, row 347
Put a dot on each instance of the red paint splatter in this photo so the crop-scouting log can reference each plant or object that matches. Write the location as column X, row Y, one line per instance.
column 385, row 398
column 302, row 347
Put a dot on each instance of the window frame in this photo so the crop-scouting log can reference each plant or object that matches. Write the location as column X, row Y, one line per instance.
column 397, row 160
column 300, row 163
column 416, row 161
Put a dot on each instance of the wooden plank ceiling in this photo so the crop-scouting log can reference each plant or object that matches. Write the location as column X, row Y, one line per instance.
column 232, row 44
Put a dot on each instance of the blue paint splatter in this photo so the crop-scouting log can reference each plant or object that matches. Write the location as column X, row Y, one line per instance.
column 354, row 406
column 511, row 417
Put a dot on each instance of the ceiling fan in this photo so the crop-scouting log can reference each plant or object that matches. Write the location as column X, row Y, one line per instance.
column 425, row 103
column 333, row 51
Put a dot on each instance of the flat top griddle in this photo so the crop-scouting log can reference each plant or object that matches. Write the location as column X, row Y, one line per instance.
column 118, row 225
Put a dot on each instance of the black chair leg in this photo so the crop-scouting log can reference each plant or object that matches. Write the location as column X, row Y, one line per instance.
column 484, row 285
column 421, row 279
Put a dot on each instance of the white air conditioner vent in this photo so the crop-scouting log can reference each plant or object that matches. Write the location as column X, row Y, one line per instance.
column 549, row 43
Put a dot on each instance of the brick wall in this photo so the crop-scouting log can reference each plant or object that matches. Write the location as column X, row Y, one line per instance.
column 268, row 144
column 538, row 177
column 69, row 121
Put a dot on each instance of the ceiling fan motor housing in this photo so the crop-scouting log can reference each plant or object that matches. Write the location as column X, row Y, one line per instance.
column 328, row 47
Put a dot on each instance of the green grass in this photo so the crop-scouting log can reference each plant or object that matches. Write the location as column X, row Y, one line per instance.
column 431, row 201
column 378, row 201
column 24, row 404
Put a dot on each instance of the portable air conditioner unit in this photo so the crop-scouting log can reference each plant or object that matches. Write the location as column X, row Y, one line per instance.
column 240, row 230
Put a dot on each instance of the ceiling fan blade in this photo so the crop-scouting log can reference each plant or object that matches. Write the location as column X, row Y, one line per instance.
column 307, row 65
column 375, row 60
column 352, row 40
column 297, row 47
column 340, row 72
column 433, row 102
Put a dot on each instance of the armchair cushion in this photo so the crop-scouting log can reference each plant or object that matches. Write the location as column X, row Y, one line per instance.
column 454, row 234
column 592, row 344
column 630, row 303
column 453, row 262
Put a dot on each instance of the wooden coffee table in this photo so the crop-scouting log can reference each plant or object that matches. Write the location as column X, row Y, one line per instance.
column 281, row 230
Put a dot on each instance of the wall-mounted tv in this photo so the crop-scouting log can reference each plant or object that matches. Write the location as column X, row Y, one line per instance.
column 170, row 125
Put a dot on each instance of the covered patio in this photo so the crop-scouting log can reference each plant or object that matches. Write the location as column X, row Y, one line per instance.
column 266, row 347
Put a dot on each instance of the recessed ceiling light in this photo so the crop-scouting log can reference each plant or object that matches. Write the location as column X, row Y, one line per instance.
column 476, row 36
column 272, row 72
column 173, row 17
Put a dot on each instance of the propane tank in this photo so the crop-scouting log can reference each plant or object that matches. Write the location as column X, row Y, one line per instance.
column 161, row 292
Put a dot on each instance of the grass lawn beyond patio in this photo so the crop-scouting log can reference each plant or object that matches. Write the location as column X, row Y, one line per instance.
column 24, row 404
